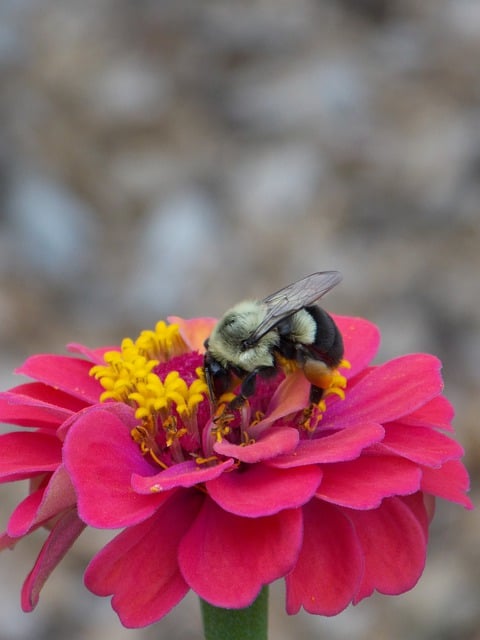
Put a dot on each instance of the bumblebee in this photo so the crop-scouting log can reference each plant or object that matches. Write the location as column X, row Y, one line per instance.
column 285, row 331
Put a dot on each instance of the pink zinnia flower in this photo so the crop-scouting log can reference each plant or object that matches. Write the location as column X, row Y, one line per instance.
column 338, row 505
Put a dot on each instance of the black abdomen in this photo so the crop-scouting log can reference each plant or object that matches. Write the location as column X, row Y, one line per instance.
column 328, row 343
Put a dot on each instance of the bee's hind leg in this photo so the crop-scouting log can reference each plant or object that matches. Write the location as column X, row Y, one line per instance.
column 316, row 394
column 324, row 381
column 319, row 375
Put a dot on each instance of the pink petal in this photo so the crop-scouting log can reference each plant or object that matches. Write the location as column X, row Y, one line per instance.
column 95, row 356
column 119, row 409
column 43, row 504
column 346, row 444
column 139, row 567
column 227, row 559
column 49, row 395
column 101, row 456
column 30, row 412
column 361, row 340
column 59, row 495
column 64, row 373
column 420, row 444
column 61, row 538
column 450, row 482
column 27, row 454
column 438, row 413
column 261, row 491
column 291, row 395
column 388, row 392
column 421, row 507
column 184, row 474
column 194, row 331
column 394, row 546
column 363, row 483
column 272, row 443
column 7, row 542
column 330, row 566
column 20, row 521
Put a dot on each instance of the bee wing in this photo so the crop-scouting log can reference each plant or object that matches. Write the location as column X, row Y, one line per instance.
column 292, row 298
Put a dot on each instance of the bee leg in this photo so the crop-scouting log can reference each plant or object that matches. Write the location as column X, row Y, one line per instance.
column 237, row 402
column 249, row 385
column 225, row 409
column 320, row 376
column 222, row 413
column 229, row 403
column 315, row 408
column 316, row 394
column 247, row 389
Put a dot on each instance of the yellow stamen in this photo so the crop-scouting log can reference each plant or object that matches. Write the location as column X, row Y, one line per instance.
column 164, row 343
column 128, row 376
column 259, row 415
column 221, row 428
column 221, row 412
column 143, row 435
column 172, row 432
column 122, row 371
column 311, row 416
column 337, row 384
column 199, row 460
column 247, row 440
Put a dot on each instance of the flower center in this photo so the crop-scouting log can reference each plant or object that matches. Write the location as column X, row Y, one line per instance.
column 142, row 374
column 164, row 383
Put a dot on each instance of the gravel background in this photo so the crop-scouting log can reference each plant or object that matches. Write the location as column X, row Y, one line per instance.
column 171, row 157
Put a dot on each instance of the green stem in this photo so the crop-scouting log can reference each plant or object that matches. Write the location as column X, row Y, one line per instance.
column 237, row 624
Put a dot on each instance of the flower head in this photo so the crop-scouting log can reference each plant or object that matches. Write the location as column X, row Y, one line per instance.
column 336, row 501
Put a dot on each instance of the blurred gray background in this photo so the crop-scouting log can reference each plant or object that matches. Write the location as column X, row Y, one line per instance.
column 171, row 157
